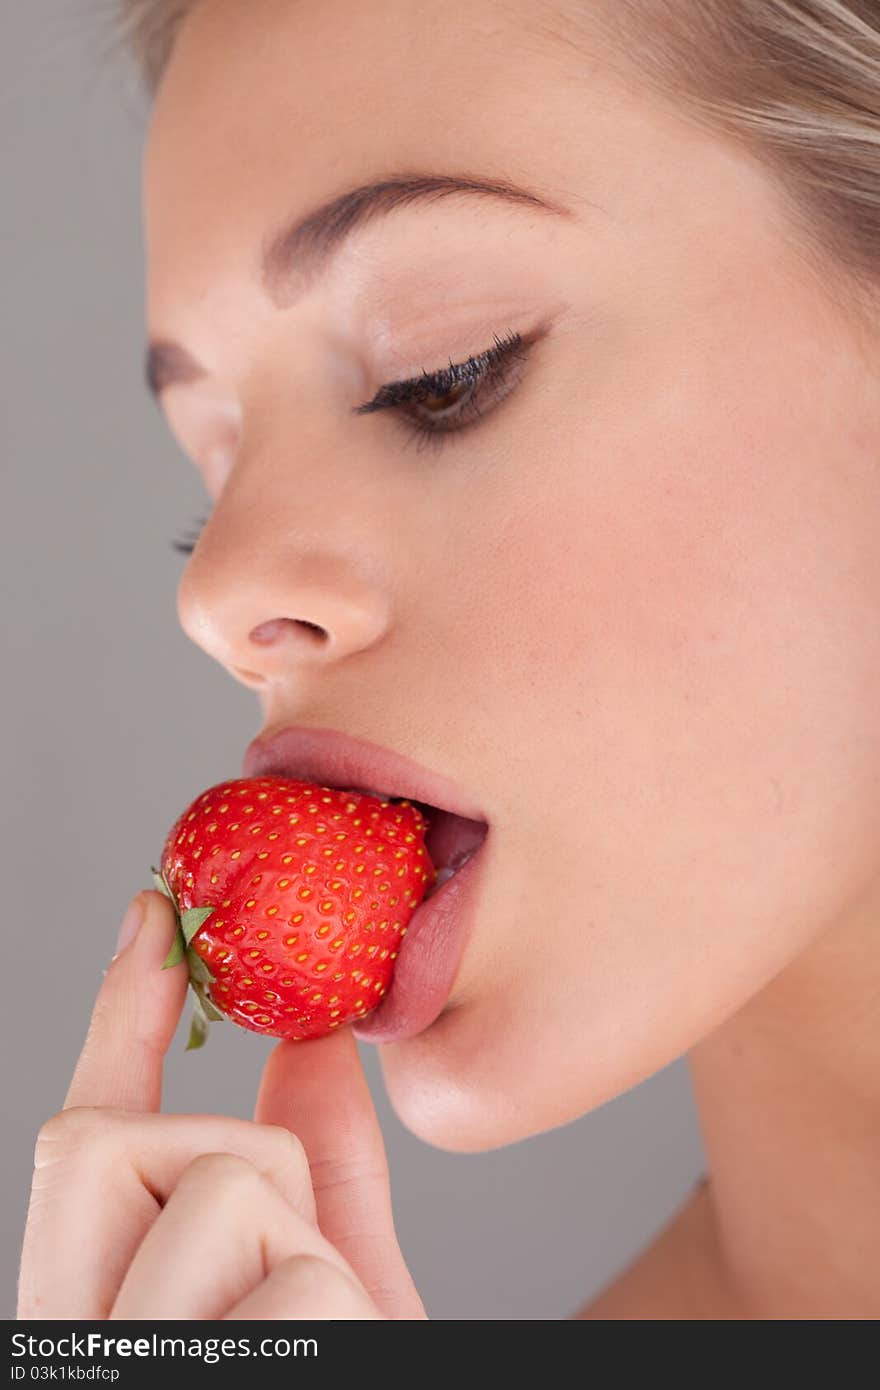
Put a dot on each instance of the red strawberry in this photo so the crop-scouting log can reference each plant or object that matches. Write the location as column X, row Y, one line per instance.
column 291, row 899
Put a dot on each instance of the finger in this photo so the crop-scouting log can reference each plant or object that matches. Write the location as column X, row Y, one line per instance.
column 222, row 1230
column 134, row 1018
column 101, row 1178
column 305, row 1287
column 318, row 1090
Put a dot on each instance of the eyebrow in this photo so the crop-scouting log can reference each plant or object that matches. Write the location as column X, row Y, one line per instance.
column 292, row 257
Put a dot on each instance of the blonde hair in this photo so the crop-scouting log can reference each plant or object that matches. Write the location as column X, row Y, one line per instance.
column 797, row 80
column 149, row 28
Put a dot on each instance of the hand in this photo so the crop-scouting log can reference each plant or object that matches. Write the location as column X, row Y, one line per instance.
column 135, row 1214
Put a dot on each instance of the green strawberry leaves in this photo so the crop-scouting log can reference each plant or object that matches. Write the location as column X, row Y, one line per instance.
column 203, row 1013
column 188, row 923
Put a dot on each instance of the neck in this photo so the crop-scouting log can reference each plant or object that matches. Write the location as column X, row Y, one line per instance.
column 788, row 1092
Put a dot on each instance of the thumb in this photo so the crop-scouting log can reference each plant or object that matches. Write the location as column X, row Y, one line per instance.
column 317, row 1089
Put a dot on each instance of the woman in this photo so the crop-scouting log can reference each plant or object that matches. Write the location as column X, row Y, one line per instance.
column 627, row 602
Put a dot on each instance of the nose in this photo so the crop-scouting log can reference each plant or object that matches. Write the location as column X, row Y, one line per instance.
column 266, row 598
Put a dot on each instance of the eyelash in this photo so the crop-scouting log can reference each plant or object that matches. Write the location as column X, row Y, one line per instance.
column 492, row 369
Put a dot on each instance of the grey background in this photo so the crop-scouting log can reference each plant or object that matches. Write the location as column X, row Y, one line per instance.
column 113, row 719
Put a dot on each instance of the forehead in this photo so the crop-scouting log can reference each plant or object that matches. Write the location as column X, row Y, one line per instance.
column 269, row 107
column 257, row 89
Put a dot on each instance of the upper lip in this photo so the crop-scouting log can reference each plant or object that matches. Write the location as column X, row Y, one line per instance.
column 331, row 758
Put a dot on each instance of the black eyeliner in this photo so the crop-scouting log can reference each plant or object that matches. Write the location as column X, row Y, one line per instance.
column 489, row 366
column 467, row 373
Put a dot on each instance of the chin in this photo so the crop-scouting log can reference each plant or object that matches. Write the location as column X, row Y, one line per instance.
column 488, row 1074
column 444, row 1111
column 456, row 1088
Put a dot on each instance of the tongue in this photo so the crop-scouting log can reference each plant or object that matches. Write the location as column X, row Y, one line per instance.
column 450, row 837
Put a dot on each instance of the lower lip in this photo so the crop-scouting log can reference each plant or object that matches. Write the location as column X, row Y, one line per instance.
column 430, row 955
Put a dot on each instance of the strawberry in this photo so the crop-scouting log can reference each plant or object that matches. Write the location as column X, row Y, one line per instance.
column 291, row 901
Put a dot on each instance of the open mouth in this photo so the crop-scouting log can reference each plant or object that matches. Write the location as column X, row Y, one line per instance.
column 450, row 840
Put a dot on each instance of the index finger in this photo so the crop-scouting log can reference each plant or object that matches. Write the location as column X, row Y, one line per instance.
column 134, row 1018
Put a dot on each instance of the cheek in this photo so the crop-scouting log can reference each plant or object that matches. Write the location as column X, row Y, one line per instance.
column 688, row 708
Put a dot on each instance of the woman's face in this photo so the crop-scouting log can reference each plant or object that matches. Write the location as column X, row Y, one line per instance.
column 630, row 608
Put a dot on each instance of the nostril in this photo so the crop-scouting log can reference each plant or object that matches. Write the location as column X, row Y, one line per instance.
column 266, row 633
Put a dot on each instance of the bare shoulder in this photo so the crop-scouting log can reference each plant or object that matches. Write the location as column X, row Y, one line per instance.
column 675, row 1278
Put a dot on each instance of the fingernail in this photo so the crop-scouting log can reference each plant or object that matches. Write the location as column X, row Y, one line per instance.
column 130, row 925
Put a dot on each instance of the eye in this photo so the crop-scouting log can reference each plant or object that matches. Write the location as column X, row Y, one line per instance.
column 437, row 404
